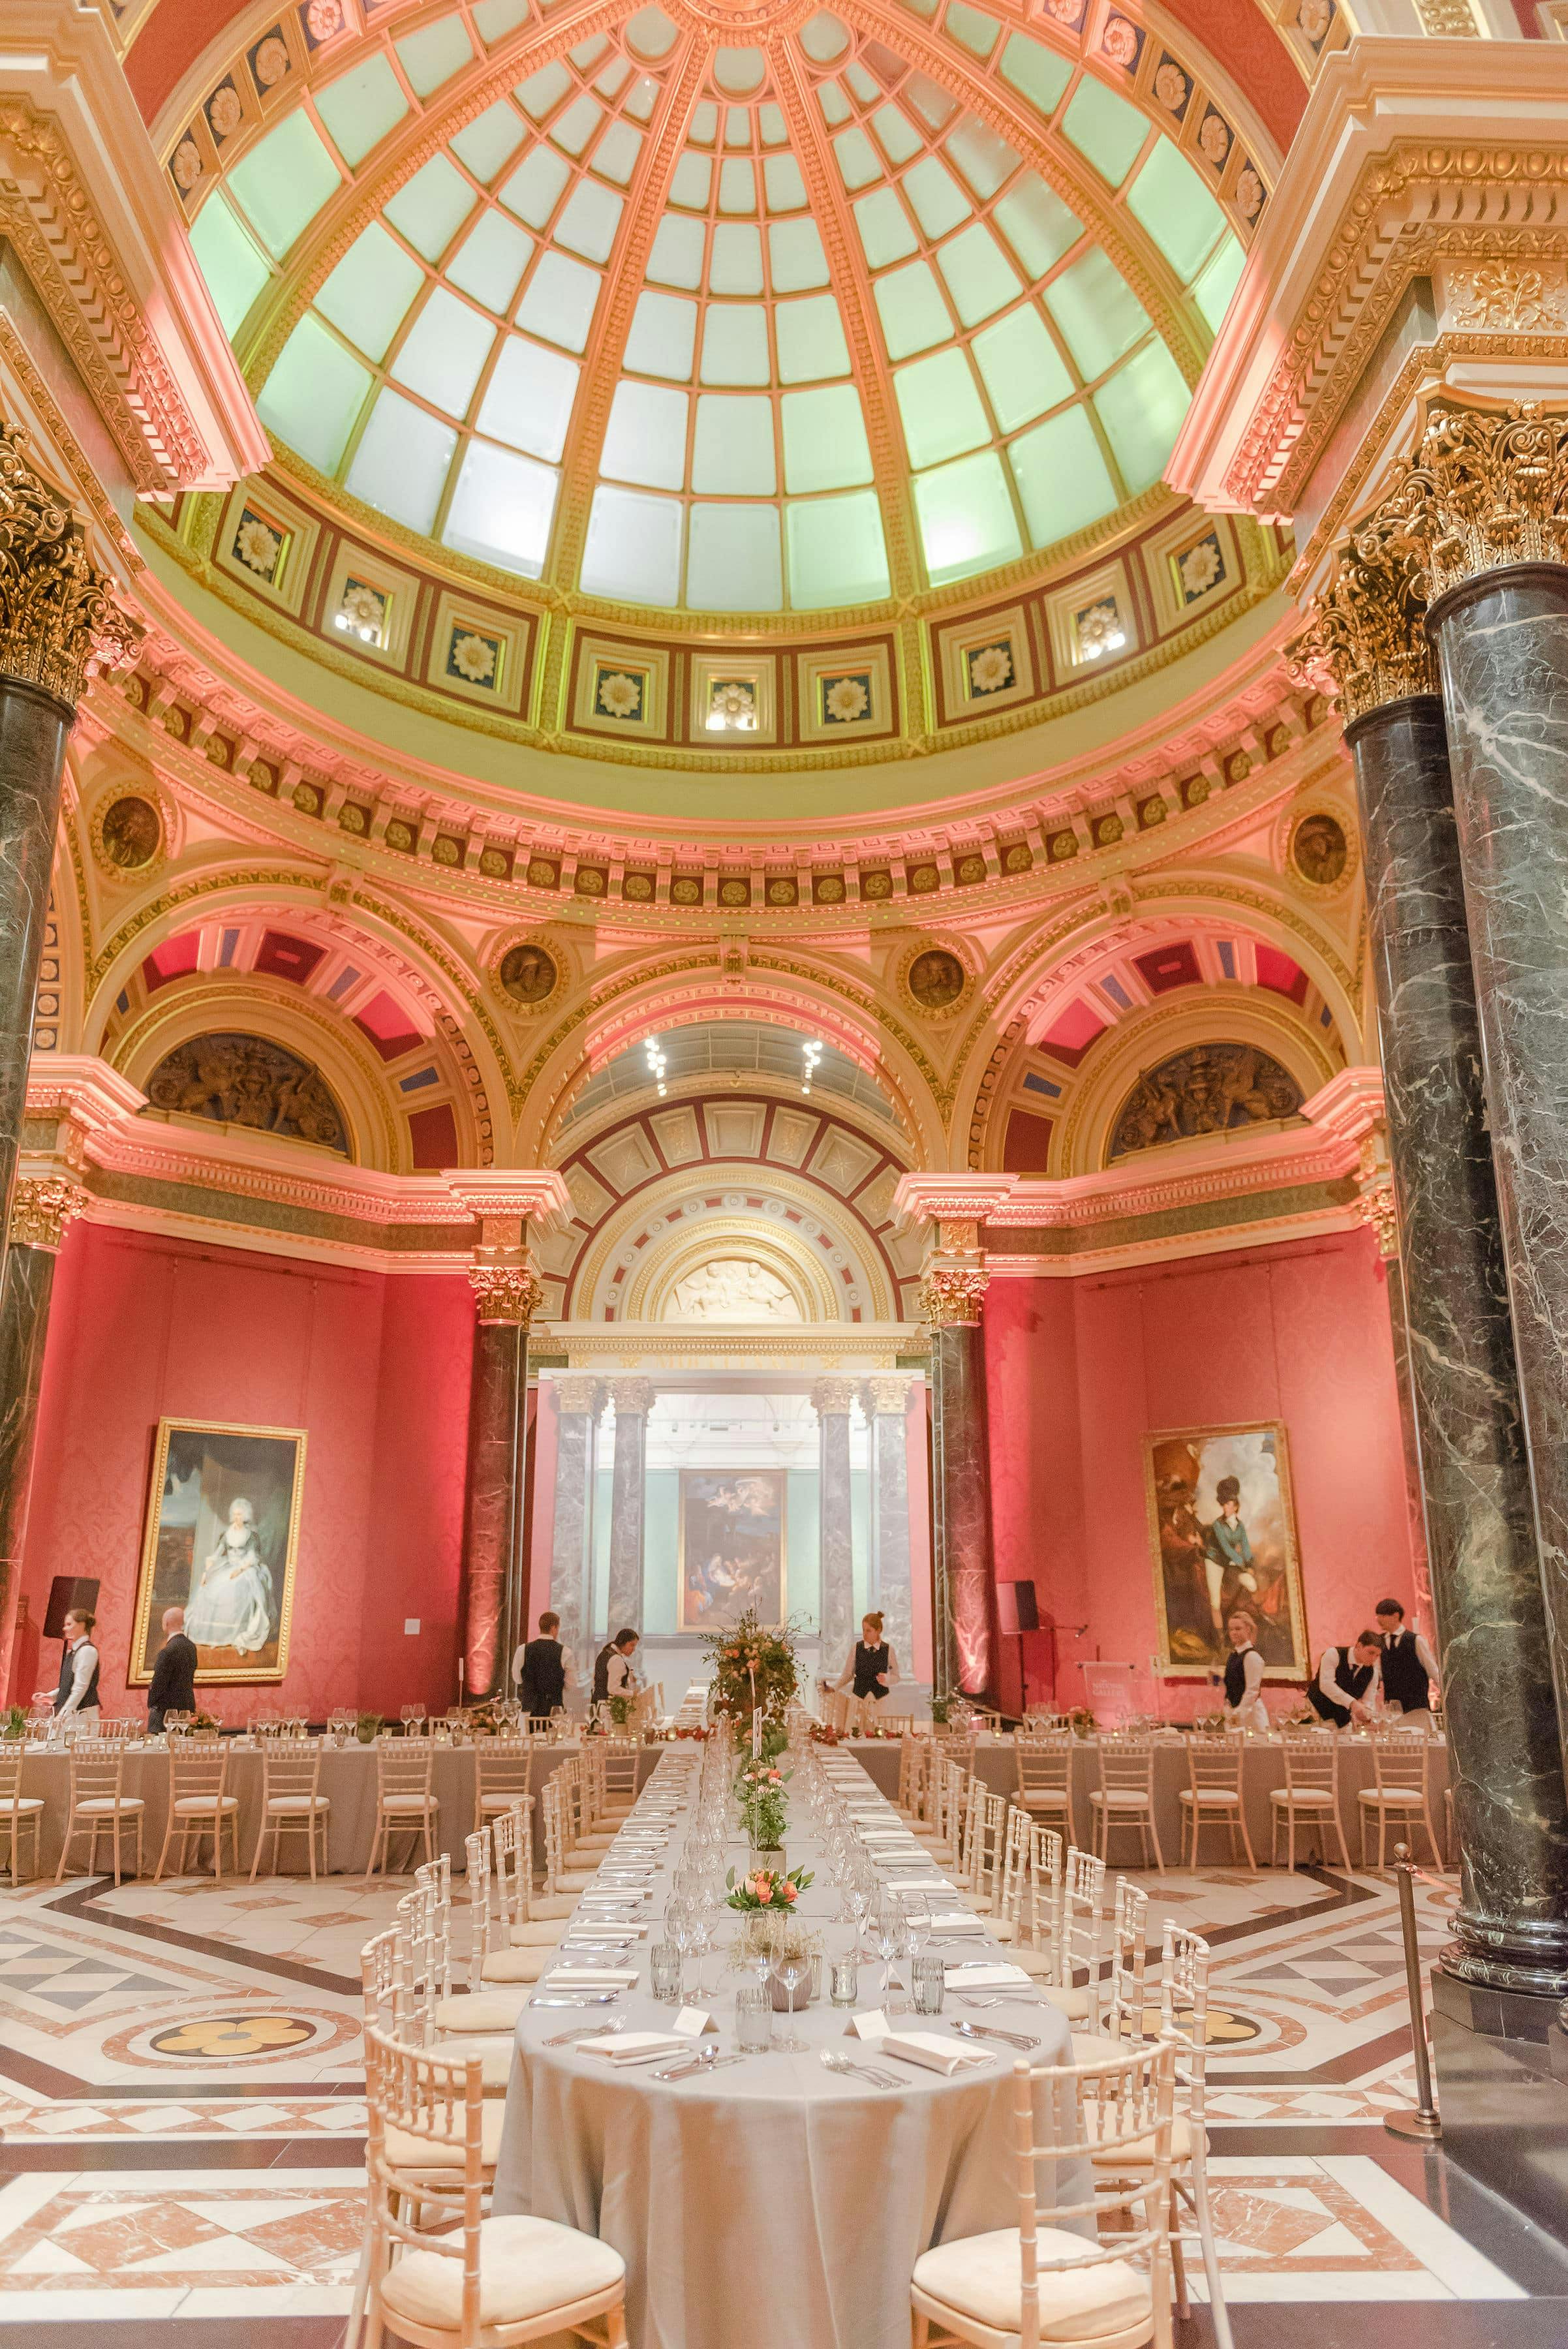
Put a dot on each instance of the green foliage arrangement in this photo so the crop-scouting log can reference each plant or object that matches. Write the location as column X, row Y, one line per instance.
column 754, row 1664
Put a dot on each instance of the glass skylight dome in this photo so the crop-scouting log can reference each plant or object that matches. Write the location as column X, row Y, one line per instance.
column 682, row 322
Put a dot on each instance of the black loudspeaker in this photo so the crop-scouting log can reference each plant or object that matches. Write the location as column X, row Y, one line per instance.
column 1017, row 1609
column 66, row 1592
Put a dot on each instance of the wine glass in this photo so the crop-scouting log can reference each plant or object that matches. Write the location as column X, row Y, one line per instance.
column 858, row 1896
column 678, row 1933
column 410, row 1715
column 791, row 1967
column 887, row 1940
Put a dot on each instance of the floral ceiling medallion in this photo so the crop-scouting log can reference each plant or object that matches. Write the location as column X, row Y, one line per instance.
column 733, row 17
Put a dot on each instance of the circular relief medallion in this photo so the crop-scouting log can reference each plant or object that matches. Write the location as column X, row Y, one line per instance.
column 1319, row 849
column 132, row 832
column 936, row 979
column 528, row 974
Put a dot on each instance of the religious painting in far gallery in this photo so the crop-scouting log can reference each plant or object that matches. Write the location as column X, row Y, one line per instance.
column 223, row 1534
column 1222, row 1528
column 732, row 1547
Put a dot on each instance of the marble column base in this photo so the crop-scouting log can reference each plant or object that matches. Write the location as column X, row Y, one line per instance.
column 1502, row 2100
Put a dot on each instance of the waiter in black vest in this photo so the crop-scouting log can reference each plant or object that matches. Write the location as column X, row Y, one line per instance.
column 1345, row 1678
column 76, row 1696
column 544, row 1672
column 613, row 1672
column 1409, row 1667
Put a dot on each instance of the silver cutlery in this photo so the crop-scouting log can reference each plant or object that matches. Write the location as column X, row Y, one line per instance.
column 570, row 2038
column 576, row 1998
column 706, row 2062
column 990, row 2031
column 1020, row 2000
column 832, row 2062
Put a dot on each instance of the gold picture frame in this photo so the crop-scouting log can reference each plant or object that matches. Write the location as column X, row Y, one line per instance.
column 227, row 1555
column 1207, row 1559
column 713, row 1588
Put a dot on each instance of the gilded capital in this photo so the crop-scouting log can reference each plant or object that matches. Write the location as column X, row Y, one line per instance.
column 633, row 1396
column 580, row 1394
column 1374, row 1201
column 952, row 1295
column 889, row 1396
column 1488, row 488
column 830, row 1395
column 58, row 618
column 506, row 1292
column 41, row 1207
column 1368, row 632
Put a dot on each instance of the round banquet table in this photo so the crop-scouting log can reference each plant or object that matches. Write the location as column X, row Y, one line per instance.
column 773, row 2200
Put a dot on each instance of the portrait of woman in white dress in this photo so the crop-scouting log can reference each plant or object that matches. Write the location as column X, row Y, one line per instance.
column 231, row 1605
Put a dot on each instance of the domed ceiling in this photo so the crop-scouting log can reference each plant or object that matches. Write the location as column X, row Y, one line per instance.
column 712, row 309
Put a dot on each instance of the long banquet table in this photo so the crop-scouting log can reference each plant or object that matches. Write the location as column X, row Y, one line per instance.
column 347, row 1779
column 1262, row 1768
column 773, row 2200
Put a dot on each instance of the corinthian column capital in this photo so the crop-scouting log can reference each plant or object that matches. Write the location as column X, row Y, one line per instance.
column 828, row 1395
column 506, row 1292
column 1368, row 631
column 633, row 1396
column 952, row 1295
column 1488, row 488
column 58, row 618
column 41, row 1207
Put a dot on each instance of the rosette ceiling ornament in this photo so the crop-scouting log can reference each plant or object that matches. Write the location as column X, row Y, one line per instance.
column 726, row 309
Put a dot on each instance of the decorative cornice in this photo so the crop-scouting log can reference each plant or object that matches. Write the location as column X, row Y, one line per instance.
column 57, row 615
column 1487, row 489
column 954, row 1198
column 41, row 1207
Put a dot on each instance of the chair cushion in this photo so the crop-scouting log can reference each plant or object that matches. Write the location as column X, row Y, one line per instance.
column 299, row 1803
column 522, row 1965
column 1208, row 1794
column 499, row 1802
column 1037, row 1963
column 24, row 1802
column 1121, row 1798
column 403, row 1802
column 481, row 2009
column 190, row 1806
column 538, row 1933
column 595, row 1842
column 100, row 1806
column 553, row 1904
column 526, row 2267
column 1392, row 1798
column 575, row 1879
column 981, row 2277
column 1305, row 1798
column 1140, row 2151
column 1068, row 1999
column 495, row 2055
column 1045, row 1798
column 407, row 2151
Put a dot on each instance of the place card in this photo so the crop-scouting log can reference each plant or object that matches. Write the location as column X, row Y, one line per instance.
column 872, row 2024
column 692, row 2022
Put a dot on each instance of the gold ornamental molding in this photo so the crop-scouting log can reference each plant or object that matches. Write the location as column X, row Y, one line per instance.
column 1368, row 630
column 41, row 1207
column 506, row 1292
column 57, row 615
column 951, row 1296
column 1487, row 489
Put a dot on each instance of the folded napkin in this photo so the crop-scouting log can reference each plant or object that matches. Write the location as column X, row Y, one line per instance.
column 591, row 1978
column 956, row 1920
column 978, row 1975
column 936, row 2054
column 920, row 1884
column 884, row 1834
column 631, row 2046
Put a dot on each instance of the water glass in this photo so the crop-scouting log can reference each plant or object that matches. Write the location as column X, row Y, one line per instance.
column 930, row 1980
column 846, row 1984
column 753, row 2017
column 666, row 1964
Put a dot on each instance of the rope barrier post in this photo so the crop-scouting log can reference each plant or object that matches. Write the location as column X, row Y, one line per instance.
column 1423, row 2123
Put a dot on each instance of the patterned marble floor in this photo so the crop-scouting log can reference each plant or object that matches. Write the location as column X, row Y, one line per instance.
column 183, row 2127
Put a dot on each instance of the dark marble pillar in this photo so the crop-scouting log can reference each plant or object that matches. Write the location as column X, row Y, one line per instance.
column 578, row 1401
column 495, row 1569
column 1506, row 1767
column 633, row 1399
column 833, row 1399
column 55, row 617
column 965, row 1642
column 41, row 1207
column 891, row 1514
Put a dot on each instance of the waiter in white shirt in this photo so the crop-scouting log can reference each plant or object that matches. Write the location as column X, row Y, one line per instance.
column 77, row 1697
column 1409, row 1669
column 612, row 1671
column 1346, row 1688
column 1244, row 1706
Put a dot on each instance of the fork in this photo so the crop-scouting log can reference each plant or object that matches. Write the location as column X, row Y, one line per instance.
column 982, row 2003
column 836, row 2062
column 989, row 2031
column 570, row 2038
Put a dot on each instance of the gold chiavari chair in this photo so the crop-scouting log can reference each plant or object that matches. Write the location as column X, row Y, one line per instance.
column 478, row 2282
column 1401, row 1790
column 1078, row 1940
column 1213, row 1794
column 502, row 1775
column 99, row 1803
column 1121, row 2014
column 200, row 1804
column 20, row 1814
column 1125, row 1796
column 1043, row 2281
column 1310, row 1796
column 1045, row 1766
column 292, row 1802
column 405, row 1804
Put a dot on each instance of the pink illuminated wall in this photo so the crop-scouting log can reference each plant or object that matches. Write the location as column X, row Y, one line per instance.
column 1079, row 1372
column 375, row 1368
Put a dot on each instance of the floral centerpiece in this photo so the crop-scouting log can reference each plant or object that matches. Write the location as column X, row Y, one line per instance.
column 767, row 1887
column 754, row 1668
column 14, row 1723
column 765, row 1808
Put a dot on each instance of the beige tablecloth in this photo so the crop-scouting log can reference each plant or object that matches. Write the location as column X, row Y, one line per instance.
column 772, row 2203
column 347, row 1779
column 1262, row 1768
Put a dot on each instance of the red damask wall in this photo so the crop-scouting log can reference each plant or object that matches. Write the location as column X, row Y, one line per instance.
column 1079, row 1372
column 375, row 1368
